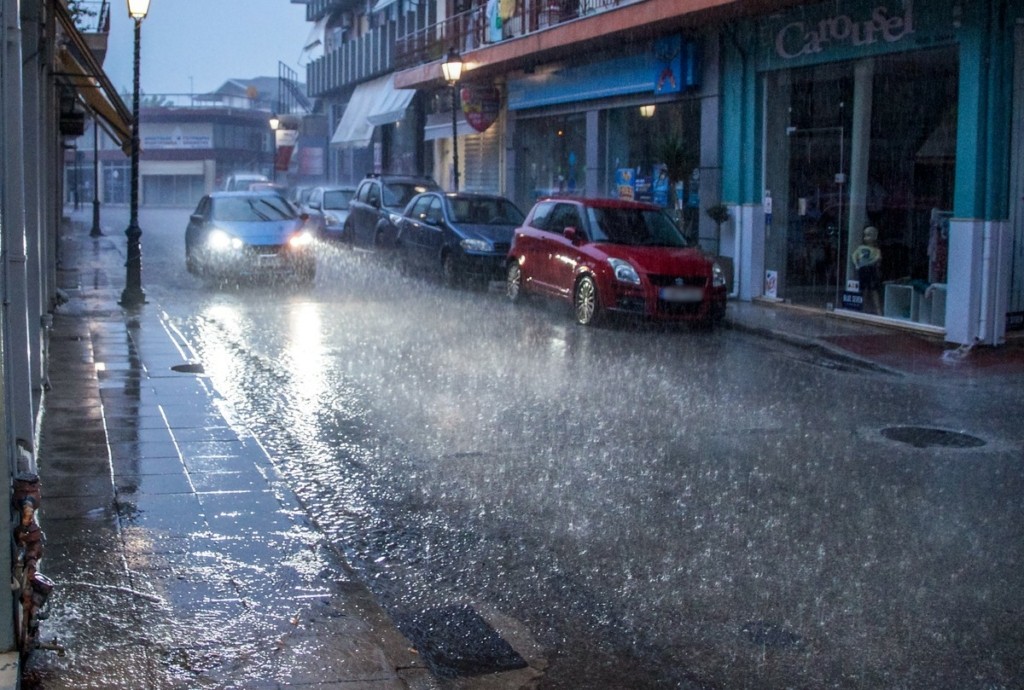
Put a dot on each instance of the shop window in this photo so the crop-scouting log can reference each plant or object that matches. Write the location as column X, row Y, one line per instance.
column 858, row 144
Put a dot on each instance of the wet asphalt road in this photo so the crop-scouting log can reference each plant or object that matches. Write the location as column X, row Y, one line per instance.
column 653, row 508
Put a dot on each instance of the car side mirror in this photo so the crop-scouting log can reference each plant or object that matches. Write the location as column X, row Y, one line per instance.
column 197, row 218
column 573, row 235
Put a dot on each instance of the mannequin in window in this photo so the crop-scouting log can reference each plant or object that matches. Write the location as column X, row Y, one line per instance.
column 867, row 259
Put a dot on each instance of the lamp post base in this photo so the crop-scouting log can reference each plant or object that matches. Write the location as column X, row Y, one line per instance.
column 95, row 231
column 132, row 297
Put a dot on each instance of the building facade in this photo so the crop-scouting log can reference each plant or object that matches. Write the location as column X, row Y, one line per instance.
column 50, row 77
column 801, row 123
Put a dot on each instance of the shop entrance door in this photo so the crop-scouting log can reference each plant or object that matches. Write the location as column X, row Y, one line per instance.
column 818, row 206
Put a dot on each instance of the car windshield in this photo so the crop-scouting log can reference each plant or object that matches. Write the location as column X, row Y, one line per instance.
column 485, row 211
column 252, row 208
column 399, row 193
column 635, row 226
column 338, row 199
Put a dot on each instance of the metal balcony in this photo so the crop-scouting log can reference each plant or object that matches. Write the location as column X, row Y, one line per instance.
column 365, row 57
column 469, row 30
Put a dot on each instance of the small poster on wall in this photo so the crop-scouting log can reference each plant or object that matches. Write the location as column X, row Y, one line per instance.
column 771, row 284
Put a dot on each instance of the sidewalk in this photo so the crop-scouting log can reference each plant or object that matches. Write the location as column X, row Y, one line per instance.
column 181, row 558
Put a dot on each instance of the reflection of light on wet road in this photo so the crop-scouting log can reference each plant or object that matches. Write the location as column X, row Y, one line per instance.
column 221, row 360
column 304, row 357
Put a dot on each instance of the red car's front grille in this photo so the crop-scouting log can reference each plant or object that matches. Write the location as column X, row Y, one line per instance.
column 682, row 281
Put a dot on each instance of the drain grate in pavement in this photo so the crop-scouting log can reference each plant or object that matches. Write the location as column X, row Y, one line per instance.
column 928, row 437
column 457, row 641
column 189, row 368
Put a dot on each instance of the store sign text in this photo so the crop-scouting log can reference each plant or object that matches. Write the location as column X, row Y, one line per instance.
column 807, row 38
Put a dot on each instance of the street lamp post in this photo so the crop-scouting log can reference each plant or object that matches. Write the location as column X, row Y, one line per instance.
column 452, row 70
column 133, row 296
column 275, row 124
column 95, row 231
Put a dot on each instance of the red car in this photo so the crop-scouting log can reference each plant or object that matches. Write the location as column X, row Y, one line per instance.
column 614, row 256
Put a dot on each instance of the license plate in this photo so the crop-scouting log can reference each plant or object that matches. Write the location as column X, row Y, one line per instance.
column 681, row 294
column 270, row 260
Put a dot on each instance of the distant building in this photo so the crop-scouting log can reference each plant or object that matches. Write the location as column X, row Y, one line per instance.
column 189, row 144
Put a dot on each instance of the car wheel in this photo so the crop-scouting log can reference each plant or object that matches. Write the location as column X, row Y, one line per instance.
column 586, row 306
column 514, row 282
column 348, row 234
column 449, row 271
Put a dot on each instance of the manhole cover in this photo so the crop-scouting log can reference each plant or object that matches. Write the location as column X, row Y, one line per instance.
column 927, row 437
column 189, row 368
column 457, row 641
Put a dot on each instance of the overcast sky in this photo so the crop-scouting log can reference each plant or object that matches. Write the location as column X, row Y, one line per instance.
column 194, row 46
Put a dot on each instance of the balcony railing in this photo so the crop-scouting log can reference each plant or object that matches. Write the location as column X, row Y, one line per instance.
column 471, row 29
column 318, row 8
column 362, row 58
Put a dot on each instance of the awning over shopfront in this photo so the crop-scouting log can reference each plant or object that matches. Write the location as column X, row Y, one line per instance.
column 392, row 104
column 373, row 103
column 79, row 69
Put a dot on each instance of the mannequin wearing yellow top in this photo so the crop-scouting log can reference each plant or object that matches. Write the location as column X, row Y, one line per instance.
column 867, row 259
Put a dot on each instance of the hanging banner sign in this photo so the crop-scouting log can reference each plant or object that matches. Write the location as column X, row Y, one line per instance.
column 480, row 105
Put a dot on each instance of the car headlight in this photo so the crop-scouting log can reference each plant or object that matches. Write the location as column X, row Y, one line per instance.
column 220, row 241
column 717, row 275
column 300, row 239
column 476, row 246
column 395, row 218
column 624, row 271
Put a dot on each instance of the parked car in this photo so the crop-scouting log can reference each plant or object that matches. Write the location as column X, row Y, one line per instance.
column 273, row 187
column 377, row 205
column 238, row 234
column 463, row 236
column 239, row 182
column 613, row 256
column 329, row 205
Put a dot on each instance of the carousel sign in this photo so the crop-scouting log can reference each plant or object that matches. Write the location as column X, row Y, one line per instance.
column 807, row 38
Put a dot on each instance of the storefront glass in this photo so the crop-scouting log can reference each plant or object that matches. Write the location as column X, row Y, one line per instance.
column 670, row 137
column 551, row 157
column 856, row 144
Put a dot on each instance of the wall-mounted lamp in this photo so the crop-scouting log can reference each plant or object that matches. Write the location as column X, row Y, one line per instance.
column 647, row 111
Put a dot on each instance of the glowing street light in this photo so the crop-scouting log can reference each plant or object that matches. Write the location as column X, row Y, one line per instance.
column 452, row 70
column 133, row 296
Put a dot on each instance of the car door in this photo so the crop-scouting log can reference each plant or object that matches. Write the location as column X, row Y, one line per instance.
column 196, row 224
column 412, row 229
column 362, row 212
column 433, row 230
column 563, row 253
column 531, row 246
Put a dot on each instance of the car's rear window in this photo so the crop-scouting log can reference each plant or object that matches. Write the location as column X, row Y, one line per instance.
column 338, row 198
column 485, row 211
column 635, row 226
column 400, row 193
column 252, row 208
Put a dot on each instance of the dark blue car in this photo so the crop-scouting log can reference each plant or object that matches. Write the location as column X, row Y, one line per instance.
column 462, row 236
